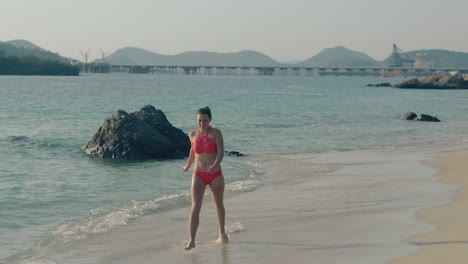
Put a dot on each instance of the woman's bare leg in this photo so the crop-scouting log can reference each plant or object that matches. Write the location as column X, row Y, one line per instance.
column 198, row 190
column 217, row 193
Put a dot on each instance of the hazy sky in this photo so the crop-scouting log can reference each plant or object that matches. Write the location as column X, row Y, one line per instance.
column 285, row 30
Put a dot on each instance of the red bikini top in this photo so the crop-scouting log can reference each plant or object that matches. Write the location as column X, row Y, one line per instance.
column 204, row 144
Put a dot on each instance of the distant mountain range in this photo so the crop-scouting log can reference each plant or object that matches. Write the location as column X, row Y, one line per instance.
column 339, row 56
column 329, row 57
column 137, row 56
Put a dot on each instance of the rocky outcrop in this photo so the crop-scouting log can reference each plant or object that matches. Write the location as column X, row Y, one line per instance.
column 422, row 117
column 435, row 82
column 145, row 134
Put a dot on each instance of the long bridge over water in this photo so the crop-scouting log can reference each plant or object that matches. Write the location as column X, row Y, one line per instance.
column 267, row 70
column 400, row 64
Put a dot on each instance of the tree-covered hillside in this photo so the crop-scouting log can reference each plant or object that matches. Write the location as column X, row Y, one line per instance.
column 12, row 50
column 12, row 65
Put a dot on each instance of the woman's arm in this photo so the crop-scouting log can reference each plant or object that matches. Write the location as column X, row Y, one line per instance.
column 191, row 157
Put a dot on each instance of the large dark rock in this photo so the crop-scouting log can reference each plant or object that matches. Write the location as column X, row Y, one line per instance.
column 435, row 82
column 145, row 134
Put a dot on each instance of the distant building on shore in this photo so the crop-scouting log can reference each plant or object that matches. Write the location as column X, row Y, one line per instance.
column 423, row 62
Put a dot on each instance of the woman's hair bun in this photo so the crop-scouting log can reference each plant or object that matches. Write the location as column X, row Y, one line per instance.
column 205, row 111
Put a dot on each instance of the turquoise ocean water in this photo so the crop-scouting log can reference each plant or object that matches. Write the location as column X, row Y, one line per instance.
column 51, row 192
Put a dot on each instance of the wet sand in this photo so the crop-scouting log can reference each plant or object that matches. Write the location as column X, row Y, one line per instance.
column 448, row 243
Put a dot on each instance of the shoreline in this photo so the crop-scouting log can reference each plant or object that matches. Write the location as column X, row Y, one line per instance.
column 335, row 207
column 449, row 240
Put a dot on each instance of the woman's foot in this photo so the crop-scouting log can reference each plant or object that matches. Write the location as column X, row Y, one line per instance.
column 223, row 238
column 190, row 245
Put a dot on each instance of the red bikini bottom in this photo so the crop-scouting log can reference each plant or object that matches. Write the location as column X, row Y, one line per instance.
column 207, row 177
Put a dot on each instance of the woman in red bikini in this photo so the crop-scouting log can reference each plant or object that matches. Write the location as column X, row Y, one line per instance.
column 207, row 151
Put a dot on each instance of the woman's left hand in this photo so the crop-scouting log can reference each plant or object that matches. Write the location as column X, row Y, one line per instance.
column 210, row 168
column 185, row 168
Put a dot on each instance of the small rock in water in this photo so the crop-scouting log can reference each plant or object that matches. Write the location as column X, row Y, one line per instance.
column 380, row 85
column 427, row 118
column 408, row 116
column 233, row 153
column 422, row 117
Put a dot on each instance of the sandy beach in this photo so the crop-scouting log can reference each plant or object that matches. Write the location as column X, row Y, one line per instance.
column 448, row 243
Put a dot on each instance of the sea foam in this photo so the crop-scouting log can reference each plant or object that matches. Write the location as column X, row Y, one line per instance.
column 41, row 261
column 105, row 219
column 250, row 184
